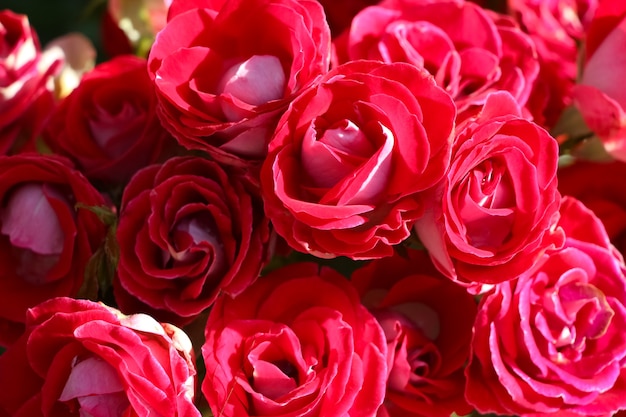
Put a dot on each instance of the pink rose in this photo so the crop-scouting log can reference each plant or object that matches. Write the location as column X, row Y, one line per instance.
column 25, row 76
column 351, row 157
column 188, row 231
column 469, row 51
column 600, row 95
column 494, row 213
column 297, row 342
column 223, row 75
column 108, row 124
column 427, row 320
column 553, row 342
column 45, row 240
column 80, row 357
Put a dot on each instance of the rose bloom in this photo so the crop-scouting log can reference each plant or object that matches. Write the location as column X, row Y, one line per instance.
column 188, row 231
column 601, row 187
column 553, row 341
column 600, row 95
column 427, row 320
column 469, row 51
column 556, row 27
column 26, row 98
column 351, row 156
column 45, row 241
column 298, row 342
column 224, row 74
column 78, row 357
column 108, row 124
column 494, row 213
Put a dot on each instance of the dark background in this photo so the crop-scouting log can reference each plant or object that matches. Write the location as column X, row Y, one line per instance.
column 53, row 18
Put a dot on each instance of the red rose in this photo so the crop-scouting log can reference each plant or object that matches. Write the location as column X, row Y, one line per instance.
column 80, row 357
column 601, row 187
column 108, row 124
column 45, row 241
column 25, row 74
column 600, row 95
column 224, row 75
column 188, row 231
column 494, row 214
column 427, row 320
column 553, row 341
column 351, row 156
column 297, row 342
column 469, row 51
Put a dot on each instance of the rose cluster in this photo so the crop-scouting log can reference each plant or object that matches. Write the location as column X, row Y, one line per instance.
column 338, row 208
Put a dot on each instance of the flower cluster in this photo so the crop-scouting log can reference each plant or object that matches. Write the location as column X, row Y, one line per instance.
column 315, row 209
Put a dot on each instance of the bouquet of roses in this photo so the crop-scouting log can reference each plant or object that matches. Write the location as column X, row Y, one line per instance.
column 315, row 208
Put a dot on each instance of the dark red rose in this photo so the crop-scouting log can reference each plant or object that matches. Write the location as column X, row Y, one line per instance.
column 223, row 75
column 552, row 342
column 45, row 240
column 469, row 51
column 188, row 231
column 82, row 358
column 351, row 157
column 428, row 322
column 495, row 212
column 601, row 187
column 108, row 124
column 26, row 99
column 297, row 342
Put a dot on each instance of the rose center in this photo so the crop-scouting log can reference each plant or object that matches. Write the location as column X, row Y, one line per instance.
column 253, row 82
column 578, row 312
column 30, row 222
column 192, row 237
column 94, row 389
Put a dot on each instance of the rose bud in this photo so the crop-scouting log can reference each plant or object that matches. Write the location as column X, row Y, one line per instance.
column 351, row 157
column 494, row 213
column 45, row 240
column 552, row 342
column 108, row 124
column 188, row 231
column 224, row 75
column 26, row 96
column 297, row 342
column 78, row 357
column 427, row 320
